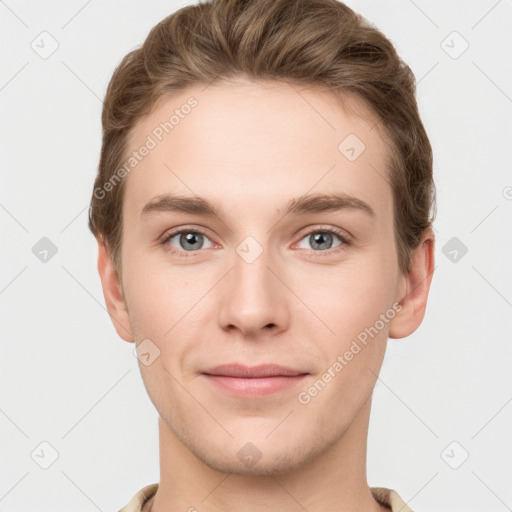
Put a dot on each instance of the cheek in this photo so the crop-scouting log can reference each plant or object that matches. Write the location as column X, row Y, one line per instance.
column 346, row 298
column 157, row 293
column 150, row 298
column 354, row 345
column 170, row 307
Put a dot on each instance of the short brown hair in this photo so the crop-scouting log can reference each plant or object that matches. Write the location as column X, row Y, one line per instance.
column 321, row 44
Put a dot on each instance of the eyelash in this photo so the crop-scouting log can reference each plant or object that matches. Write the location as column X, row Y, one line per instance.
column 346, row 242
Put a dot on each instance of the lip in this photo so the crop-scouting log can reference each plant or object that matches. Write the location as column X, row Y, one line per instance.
column 253, row 381
column 253, row 372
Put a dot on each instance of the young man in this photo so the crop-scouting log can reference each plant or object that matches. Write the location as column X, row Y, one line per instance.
column 263, row 216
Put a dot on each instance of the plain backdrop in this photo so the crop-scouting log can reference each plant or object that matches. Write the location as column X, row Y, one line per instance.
column 72, row 398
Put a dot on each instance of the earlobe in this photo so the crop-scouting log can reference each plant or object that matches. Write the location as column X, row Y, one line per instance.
column 113, row 294
column 417, row 285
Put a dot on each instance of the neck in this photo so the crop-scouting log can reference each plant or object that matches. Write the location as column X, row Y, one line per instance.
column 335, row 480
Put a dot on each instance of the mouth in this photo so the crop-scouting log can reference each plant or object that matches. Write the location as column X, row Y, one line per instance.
column 255, row 381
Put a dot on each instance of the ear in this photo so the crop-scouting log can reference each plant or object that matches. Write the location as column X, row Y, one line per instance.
column 113, row 293
column 414, row 289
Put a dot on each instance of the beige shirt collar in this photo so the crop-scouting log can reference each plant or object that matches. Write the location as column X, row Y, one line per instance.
column 387, row 497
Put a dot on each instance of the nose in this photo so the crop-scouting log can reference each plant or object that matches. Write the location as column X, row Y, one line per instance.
column 253, row 299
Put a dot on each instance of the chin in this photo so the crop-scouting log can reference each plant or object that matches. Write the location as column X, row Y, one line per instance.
column 258, row 458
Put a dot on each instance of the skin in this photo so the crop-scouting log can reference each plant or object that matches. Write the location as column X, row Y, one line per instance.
column 249, row 148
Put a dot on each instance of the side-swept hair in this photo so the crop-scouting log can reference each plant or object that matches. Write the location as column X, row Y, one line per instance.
column 321, row 44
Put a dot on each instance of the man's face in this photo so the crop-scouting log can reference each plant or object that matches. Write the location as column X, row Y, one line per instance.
column 254, row 285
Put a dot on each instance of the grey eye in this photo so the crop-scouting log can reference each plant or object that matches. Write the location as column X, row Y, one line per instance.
column 189, row 240
column 320, row 240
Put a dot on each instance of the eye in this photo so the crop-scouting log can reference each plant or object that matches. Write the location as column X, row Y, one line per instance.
column 186, row 240
column 322, row 240
column 189, row 241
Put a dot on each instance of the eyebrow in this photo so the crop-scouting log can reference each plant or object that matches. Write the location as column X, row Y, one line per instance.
column 309, row 203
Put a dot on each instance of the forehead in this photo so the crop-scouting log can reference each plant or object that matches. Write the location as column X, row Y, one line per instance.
column 262, row 142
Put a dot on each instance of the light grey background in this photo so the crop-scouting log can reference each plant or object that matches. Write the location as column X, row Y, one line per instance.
column 68, row 380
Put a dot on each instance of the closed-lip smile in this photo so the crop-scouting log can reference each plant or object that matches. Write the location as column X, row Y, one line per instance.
column 253, row 381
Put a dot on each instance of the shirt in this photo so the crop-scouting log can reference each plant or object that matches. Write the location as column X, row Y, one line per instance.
column 386, row 497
